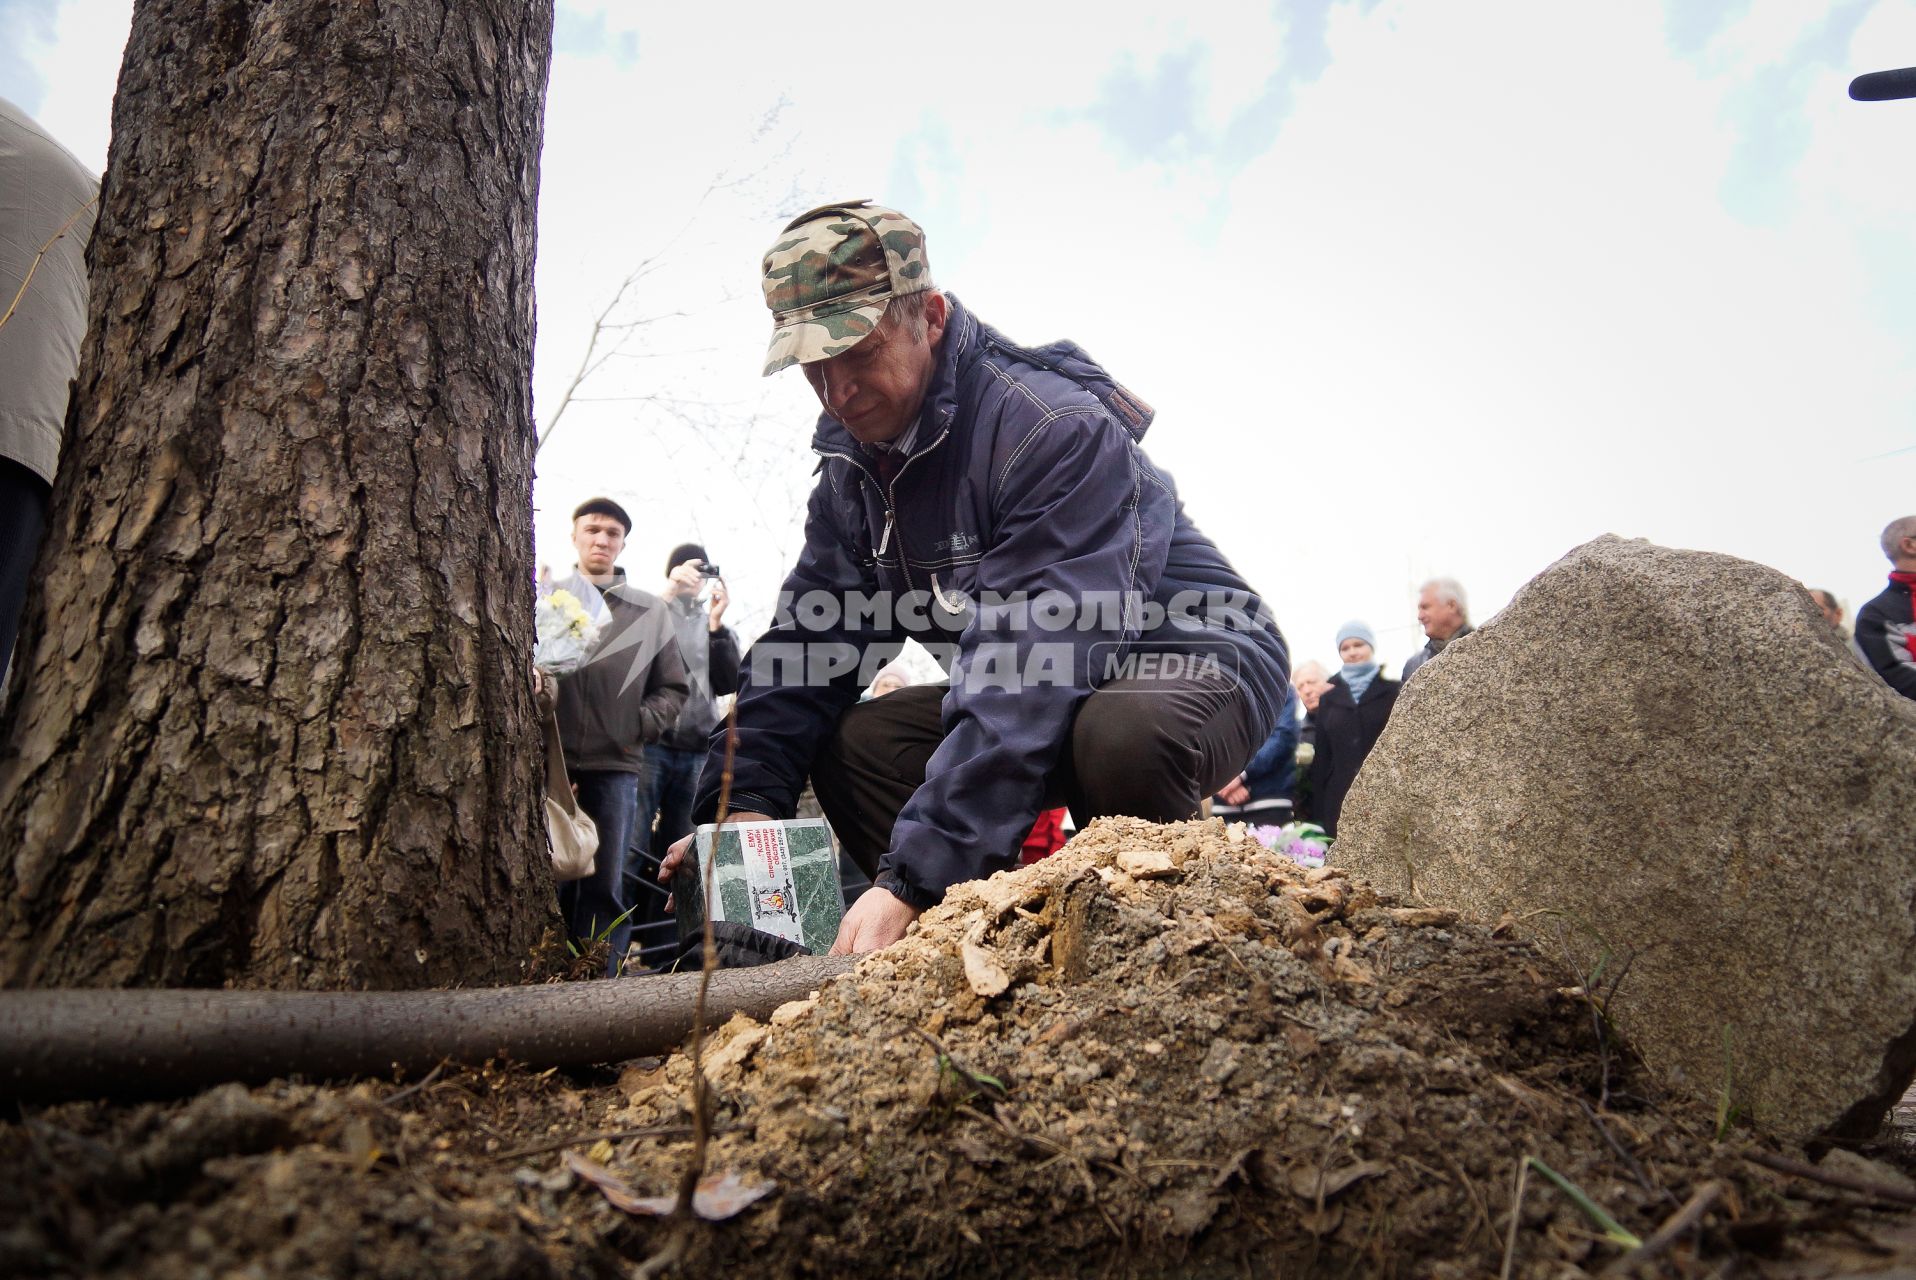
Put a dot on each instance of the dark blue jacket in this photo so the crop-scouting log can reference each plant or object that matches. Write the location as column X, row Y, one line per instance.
column 1886, row 636
column 1272, row 772
column 1024, row 479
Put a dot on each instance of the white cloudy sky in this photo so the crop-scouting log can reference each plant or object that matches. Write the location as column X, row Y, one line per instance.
column 1416, row 288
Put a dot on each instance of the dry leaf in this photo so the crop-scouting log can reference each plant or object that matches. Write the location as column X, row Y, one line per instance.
column 717, row 1197
column 1327, row 1184
column 983, row 971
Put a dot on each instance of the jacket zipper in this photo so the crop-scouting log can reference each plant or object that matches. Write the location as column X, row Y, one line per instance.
column 891, row 505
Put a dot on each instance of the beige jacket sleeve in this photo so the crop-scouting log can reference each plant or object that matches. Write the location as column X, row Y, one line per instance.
column 42, row 190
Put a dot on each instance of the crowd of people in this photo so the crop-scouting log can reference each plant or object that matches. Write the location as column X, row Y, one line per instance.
column 990, row 501
column 968, row 489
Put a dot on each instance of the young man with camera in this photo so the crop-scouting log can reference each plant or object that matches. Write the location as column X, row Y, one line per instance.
column 695, row 601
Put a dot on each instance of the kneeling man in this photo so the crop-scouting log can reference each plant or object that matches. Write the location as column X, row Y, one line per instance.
column 992, row 502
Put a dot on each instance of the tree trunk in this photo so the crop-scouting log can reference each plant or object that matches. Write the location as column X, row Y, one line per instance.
column 272, row 723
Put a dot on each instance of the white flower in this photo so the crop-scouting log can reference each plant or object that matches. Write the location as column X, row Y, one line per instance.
column 566, row 631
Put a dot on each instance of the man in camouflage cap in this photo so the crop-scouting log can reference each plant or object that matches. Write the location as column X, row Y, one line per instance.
column 993, row 503
column 830, row 277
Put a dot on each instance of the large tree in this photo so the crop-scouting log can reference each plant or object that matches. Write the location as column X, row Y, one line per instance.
column 271, row 722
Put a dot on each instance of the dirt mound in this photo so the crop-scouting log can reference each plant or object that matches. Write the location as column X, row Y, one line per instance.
column 1164, row 1051
column 1164, row 1043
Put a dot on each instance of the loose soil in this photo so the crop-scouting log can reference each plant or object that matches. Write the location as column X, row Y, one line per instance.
column 1163, row 1051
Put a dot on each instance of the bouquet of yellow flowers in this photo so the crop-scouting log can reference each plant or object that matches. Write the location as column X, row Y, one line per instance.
column 568, row 627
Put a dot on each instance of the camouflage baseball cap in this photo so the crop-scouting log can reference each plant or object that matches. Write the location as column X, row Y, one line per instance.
column 831, row 275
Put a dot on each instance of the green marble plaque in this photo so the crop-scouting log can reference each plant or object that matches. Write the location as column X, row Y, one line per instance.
column 780, row 878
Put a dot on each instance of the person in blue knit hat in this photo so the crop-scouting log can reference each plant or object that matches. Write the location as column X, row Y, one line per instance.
column 1350, row 717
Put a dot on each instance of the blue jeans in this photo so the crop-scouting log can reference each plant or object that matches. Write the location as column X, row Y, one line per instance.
column 665, row 793
column 590, row 905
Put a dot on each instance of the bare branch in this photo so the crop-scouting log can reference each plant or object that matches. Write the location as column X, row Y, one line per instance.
column 44, row 249
column 708, row 961
column 609, row 330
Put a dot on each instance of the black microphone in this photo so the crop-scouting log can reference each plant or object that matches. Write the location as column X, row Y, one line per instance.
column 1881, row 86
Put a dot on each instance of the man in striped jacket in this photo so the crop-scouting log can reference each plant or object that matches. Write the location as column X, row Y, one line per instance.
column 1886, row 626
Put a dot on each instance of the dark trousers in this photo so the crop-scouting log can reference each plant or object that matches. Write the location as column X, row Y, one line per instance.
column 595, row 905
column 23, row 517
column 665, row 813
column 1138, row 748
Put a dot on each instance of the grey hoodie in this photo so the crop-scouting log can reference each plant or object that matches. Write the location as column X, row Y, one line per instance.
column 711, row 669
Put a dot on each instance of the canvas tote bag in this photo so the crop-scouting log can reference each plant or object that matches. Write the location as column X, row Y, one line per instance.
column 573, row 837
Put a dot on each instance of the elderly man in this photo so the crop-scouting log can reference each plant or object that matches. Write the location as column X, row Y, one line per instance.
column 1444, row 614
column 1886, row 626
column 1310, row 680
column 992, row 502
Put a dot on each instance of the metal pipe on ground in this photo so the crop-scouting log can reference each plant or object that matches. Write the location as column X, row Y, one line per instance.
column 74, row 1043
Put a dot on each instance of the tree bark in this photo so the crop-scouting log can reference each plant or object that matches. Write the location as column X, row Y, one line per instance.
column 272, row 724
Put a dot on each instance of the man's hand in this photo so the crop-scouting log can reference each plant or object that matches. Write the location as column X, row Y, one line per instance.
column 1234, row 791
column 716, row 609
column 878, row 919
column 684, row 580
column 674, row 856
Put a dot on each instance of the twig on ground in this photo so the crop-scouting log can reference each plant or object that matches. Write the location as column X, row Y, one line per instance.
column 987, row 1084
column 1219, row 935
column 1475, row 1196
column 1603, row 1014
column 1686, row 1217
column 1516, row 1217
column 668, row 1256
column 701, row 1088
column 1832, row 1178
column 1623, row 1154
column 1599, row 1005
column 415, row 1087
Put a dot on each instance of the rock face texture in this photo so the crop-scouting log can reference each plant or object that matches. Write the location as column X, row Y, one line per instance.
column 1667, row 759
